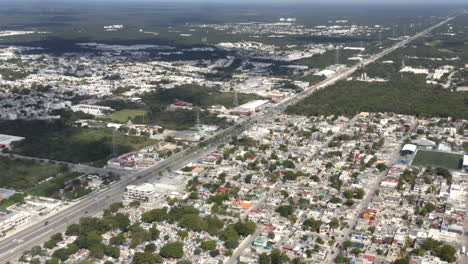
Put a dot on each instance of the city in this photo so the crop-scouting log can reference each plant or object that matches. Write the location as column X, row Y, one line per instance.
column 265, row 139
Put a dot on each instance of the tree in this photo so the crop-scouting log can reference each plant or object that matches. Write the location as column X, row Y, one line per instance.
column 208, row 245
column 284, row 210
column 193, row 222
column 115, row 207
column 341, row 259
column 146, row 258
column 111, row 251
column 334, row 223
column 155, row 215
column 264, row 259
column 117, row 240
column 245, row 228
column 347, row 244
column 182, row 234
column 172, row 250
column 312, row 224
column 214, row 253
column 151, row 247
column 446, row 253
column 356, row 251
column 154, row 233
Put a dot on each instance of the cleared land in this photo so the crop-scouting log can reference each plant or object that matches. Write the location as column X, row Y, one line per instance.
column 437, row 159
column 123, row 116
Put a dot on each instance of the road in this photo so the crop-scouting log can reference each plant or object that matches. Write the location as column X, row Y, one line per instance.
column 72, row 166
column 33, row 235
column 370, row 193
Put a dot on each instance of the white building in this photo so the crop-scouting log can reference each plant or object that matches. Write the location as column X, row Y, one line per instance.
column 143, row 193
column 12, row 220
column 251, row 107
column 95, row 110
column 6, row 140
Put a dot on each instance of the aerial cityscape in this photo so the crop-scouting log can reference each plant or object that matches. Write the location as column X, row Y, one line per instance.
column 233, row 132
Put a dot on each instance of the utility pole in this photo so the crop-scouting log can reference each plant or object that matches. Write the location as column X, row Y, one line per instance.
column 380, row 37
column 114, row 143
column 337, row 55
column 236, row 99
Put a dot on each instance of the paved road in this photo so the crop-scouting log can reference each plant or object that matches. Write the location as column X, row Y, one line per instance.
column 370, row 193
column 245, row 244
column 72, row 166
column 10, row 250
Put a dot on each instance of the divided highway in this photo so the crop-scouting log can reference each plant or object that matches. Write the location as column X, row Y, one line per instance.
column 11, row 247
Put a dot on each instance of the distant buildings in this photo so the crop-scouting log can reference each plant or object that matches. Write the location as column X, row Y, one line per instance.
column 95, row 110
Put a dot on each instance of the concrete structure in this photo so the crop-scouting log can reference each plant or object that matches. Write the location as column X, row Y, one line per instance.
column 6, row 140
column 409, row 149
column 95, row 110
column 143, row 193
column 465, row 162
column 12, row 220
column 5, row 193
column 251, row 107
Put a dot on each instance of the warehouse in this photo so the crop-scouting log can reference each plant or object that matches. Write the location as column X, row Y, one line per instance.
column 251, row 107
column 6, row 140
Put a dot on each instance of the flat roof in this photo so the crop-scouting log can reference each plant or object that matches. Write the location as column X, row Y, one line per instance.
column 253, row 104
column 410, row 147
column 7, row 139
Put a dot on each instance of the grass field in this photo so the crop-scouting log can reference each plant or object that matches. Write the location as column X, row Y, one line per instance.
column 437, row 159
column 123, row 116
column 24, row 174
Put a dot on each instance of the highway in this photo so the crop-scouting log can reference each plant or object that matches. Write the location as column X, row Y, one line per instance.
column 11, row 250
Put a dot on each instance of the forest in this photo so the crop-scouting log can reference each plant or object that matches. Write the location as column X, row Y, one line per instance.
column 403, row 94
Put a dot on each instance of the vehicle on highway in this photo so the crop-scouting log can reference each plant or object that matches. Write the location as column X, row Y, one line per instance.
column 46, row 223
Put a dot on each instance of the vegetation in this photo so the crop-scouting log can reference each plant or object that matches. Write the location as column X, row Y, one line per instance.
column 405, row 95
column 123, row 116
column 425, row 158
column 56, row 141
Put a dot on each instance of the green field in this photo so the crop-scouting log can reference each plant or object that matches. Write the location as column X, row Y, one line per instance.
column 437, row 159
column 21, row 175
column 123, row 116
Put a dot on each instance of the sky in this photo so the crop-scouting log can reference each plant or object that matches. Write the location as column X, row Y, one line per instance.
column 373, row 2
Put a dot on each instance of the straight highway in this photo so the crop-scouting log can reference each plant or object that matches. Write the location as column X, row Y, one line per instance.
column 11, row 250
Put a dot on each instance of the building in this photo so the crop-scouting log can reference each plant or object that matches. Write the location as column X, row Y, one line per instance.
column 251, row 107
column 408, row 149
column 95, row 110
column 465, row 162
column 6, row 140
column 5, row 193
column 145, row 193
column 12, row 220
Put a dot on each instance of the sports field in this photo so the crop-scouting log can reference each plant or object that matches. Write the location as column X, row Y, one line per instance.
column 437, row 159
column 123, row 116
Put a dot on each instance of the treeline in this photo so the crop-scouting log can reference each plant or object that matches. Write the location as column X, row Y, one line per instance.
column 54, row 140
column 404, row 94
column 201, row 96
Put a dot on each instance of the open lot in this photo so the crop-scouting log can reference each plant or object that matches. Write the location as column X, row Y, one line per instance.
column 437, row 159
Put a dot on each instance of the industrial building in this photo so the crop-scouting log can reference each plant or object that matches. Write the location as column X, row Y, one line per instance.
column 409, row 149
column 251, row 107
column 95, row 110
column 5, row 193
column 6, row 140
